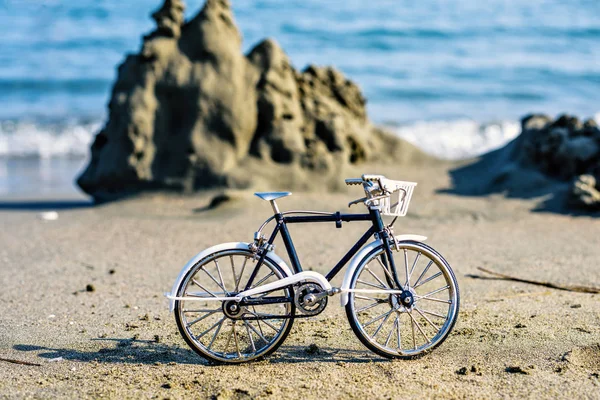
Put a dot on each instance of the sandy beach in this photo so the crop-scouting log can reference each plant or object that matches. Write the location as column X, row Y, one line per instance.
column 117, row 338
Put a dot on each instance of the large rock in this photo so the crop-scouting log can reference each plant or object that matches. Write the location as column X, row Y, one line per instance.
column 191, row 111
column 560, row 158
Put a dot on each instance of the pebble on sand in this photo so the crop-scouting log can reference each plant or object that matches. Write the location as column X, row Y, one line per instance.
column 48, row 215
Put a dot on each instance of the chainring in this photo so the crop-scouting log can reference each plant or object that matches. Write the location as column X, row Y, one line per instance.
column 302, row 299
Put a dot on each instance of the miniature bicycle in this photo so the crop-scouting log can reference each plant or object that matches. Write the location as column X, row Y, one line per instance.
column 236, row 302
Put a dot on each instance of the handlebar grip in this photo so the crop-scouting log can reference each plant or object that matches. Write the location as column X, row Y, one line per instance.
column 354, row 181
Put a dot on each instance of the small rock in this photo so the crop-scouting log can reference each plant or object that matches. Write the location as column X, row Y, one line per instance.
column 520, row 325
column 312, row 349
column 166, row 385
column 576, row 306
column 516, row 370
column 57, row 359
column 157, row 338
column 462, row 371
column 48, row 216
column 129, row 327
column 144, row 317
column 111, row 271
column 90, row 288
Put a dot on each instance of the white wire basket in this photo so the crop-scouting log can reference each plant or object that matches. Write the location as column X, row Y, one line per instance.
column 396, row 203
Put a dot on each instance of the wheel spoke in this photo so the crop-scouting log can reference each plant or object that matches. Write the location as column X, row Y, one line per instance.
column 434, row 292
column 377, row 318
column 213, row 278
column 220, row 276
column 423, row 274
column 398, row 331
column 412, row 324
column 381, row 324
column 412, row 269
column 371, row 284
column 235, row 337
column 210, row 329
column 228, row 340
column 264, row 320
column 418, row 327
column 237, row 283
column 389, row 336
column 216, row 334
column 432, row 277
column 250, row 337
column 368, row 307
column 427, row 319
column 264, row 279
column 376, row 277
column 200, row 310
column 406, row 265
column 201, row 318
column 259, row 334
column 203, row 288
column 432, row 313
column 257, row 321
column 434, row 299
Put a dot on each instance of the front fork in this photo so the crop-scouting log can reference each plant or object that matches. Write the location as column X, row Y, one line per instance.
column 388, row 260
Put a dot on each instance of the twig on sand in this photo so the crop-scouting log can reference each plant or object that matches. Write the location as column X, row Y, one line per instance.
column 570, row 288
column 20, row 362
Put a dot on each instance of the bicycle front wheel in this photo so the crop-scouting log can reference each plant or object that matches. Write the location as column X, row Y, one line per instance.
column 225, row 331
column 412, row 323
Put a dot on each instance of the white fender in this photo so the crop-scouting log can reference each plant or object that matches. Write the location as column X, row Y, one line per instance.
column 354, row 263
column 220, row 247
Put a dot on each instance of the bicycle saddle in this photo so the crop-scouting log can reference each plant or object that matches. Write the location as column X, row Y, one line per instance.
column 268, row 196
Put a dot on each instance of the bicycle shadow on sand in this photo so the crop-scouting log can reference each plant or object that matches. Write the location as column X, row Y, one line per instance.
column 137, row 351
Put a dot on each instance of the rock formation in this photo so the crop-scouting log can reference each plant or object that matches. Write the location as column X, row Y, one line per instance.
column 561, row 157
column 191, row 111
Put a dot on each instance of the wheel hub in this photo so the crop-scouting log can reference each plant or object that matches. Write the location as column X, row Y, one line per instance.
column 233, row 309
column 404, row 301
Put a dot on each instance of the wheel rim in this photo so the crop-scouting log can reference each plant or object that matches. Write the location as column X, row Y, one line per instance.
column 215, row 329
column 393, row 324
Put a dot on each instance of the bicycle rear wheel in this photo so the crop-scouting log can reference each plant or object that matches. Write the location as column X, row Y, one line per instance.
column 410, row 324
column 223, row 331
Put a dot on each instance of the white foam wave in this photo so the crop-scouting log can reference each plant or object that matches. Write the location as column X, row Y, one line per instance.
column 459, row 139
column 452, row 140
column 46, row 140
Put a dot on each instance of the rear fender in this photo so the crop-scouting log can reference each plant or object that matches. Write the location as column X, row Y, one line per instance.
column 221, row 247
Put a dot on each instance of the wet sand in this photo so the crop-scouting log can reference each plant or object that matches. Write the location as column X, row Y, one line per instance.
column 120, row 341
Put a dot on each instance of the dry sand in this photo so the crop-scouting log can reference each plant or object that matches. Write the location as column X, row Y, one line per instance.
column 120, row 341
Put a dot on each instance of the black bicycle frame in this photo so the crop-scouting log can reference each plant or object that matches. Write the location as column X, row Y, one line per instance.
column 377, row 227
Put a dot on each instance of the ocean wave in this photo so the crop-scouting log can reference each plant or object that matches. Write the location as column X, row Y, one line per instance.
column 459, row 139
column 450, row 140
column 46, row 140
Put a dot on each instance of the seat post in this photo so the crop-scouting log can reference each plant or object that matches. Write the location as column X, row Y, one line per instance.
column 274, row 205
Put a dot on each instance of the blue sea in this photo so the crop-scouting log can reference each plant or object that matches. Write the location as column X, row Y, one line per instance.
column 454, row 77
